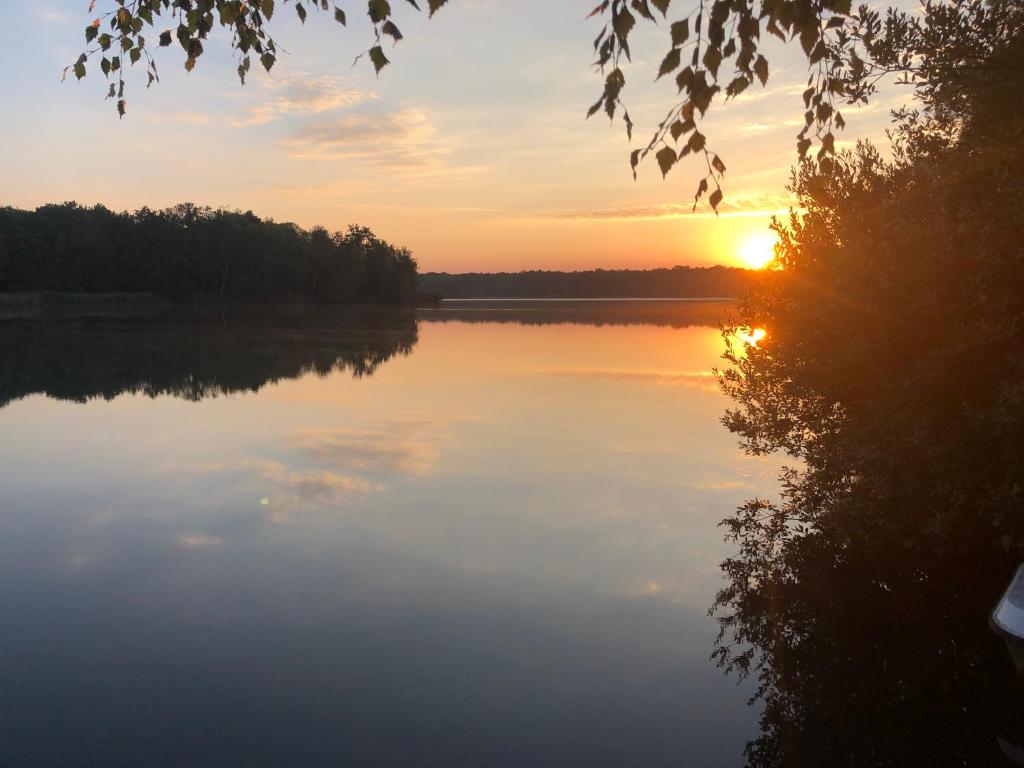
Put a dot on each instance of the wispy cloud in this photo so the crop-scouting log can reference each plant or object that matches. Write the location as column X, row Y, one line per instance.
column 53, row 16
column 402, row 139
column 734, row 204
column 313, row 486
column 406, row 447
column 302, row 94
column 194, row 541
column 698, row 379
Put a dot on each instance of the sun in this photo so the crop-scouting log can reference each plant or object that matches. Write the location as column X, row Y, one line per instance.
column 758, row 250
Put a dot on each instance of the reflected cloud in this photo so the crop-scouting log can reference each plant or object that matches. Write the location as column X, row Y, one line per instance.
column 303, row 487
column 696, row 379
column 196, row 541
column 406, row 447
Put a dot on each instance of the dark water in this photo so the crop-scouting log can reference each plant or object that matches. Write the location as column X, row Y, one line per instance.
column 479, row 535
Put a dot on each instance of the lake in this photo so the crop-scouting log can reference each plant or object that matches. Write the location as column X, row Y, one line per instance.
column 472, row 534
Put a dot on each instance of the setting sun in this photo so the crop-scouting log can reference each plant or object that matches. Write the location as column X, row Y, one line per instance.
column 758, row 250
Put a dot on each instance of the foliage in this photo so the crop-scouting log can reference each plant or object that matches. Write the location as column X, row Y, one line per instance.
column 678, row 282
column 188, row 251
column 716, row 52
column 891, row 370
column 116, row 35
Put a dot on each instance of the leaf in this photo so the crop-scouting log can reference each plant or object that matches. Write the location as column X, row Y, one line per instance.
column 299, row 9
column 90, row 33
column 339, row 16
column 643, row 9
column 718, row 165
column 389, row 28
column 737, row 86
column 669, row 63
column 677, row 129
column 712, row 59
column 666, row 158
column 623, row 23
column 120, row 107
column 267, row 6
column 435, row 5
column 696, row 142
column 634, row 160
column 661, row 5
column 715, row 199
column 680, row 31
column 79, row 70
column 267, row 60
column 599, row 8
column 378, row 58
column 761, row 69
column 165, row 38
column 378, row 10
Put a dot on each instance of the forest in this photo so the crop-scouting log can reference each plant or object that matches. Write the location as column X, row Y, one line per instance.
column 677, row 282
column 187, row 251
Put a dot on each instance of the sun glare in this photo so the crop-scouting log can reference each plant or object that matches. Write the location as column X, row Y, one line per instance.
column 758, row 250
column 752, row 338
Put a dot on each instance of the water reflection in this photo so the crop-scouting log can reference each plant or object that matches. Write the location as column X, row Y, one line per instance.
column 869, row 652
column 193, row 354
column 496, row 550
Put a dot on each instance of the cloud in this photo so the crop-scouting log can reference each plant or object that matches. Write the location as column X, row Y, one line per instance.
column 406, row 447
column 403, row 139
column 698, row 379
column 302, row 94
column 734, row 204
column 188, row 118
column 313, row 486
column 51, row 15
column 194, row 541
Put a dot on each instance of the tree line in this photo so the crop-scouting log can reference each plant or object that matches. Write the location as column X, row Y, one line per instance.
column 188, row 251
column 677, row 282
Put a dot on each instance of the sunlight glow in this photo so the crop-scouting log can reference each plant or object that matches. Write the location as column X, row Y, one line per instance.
column 753, row 337
column 758, row 250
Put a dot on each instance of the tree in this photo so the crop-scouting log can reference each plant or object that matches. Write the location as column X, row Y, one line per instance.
column 187, row 251
column 715, row 53
column 890, row 370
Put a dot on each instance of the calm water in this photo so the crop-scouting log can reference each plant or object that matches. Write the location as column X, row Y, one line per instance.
column 480, row 535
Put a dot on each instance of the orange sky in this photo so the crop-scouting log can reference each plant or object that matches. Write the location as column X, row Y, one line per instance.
column 471, row 148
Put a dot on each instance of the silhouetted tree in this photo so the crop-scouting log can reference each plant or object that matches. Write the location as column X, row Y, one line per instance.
column 188, row 251
column 892, row 371
column 678, row 282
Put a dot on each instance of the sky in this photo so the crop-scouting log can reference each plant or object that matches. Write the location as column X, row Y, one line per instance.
column 471, row 149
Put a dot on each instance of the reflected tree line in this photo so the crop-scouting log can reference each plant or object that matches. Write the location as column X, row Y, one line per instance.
column 891, row 372
column 82, row 353
column 195, row 355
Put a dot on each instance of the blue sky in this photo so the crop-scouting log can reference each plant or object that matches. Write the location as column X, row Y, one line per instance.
column 471, row 148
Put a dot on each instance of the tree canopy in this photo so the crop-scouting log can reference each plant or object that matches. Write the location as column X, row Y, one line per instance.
column 188, row 251
column 891, row 371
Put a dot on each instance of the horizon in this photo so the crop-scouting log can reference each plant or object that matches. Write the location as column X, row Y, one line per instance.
column 487, row 168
